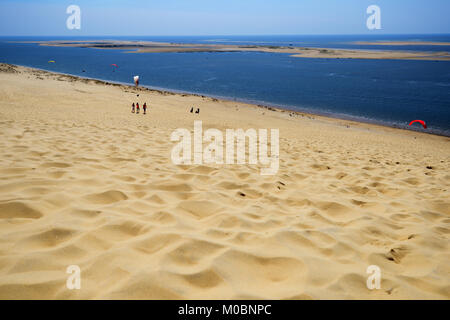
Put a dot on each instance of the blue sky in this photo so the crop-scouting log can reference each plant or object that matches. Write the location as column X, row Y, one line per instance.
column 221, row 17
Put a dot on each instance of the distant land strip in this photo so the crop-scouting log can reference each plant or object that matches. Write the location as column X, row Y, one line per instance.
column 299, row 52
column 402, row 43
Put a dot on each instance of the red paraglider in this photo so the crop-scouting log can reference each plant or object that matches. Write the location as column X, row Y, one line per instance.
column 115, row 65
column 424, row 125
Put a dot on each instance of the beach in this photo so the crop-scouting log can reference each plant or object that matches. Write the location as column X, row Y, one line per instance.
column 85, row 182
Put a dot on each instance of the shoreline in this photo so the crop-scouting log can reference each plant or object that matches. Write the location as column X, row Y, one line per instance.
column 260, row 104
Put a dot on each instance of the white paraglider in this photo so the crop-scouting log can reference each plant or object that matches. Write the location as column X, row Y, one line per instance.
column 136, row 80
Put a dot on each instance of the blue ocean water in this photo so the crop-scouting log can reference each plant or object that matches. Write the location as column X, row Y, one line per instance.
column 390, row 92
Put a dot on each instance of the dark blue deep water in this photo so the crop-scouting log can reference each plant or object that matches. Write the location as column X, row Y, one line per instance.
column 391, row 92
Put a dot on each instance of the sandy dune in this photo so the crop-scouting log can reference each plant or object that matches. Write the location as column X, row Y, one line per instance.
column 85, row 182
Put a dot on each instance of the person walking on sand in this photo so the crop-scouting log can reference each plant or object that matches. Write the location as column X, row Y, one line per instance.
column 132, row 108
column 145, row 107
column 137, row 107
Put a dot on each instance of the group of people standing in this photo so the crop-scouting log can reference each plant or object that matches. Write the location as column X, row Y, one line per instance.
column 136, row 108
column 197, row 112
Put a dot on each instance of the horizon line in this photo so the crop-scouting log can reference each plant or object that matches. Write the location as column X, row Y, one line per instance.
column 231, row 35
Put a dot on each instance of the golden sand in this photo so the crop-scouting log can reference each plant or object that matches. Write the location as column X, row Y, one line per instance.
column 85, row 182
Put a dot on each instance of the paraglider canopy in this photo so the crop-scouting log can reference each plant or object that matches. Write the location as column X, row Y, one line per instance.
column 424, row 125
column 51, row 61
column 136, row 80
column 115, row 65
